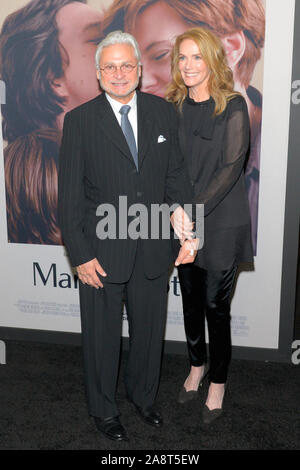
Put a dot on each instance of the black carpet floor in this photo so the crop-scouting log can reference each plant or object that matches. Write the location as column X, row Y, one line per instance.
column 42, row 406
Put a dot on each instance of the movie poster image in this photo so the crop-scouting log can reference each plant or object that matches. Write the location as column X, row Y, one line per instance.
column 47, row 52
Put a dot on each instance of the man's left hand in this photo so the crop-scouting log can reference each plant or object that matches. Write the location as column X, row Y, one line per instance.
column 188, row 252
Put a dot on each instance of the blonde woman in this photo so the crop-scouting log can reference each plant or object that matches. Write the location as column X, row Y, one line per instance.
column 214, row 136
column 240, row 24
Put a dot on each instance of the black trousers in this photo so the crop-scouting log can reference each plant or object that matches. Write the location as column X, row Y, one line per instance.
column 101, row 319
column 207, row 294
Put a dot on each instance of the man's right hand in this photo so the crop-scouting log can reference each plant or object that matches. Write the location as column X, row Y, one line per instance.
column 87, row 273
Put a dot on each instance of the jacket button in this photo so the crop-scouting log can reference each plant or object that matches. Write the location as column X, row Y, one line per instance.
column 139, row 194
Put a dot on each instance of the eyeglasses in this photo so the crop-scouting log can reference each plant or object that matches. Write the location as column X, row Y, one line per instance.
column 110, row 69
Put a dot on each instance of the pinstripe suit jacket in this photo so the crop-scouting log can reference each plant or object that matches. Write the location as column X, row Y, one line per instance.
column 96, row 167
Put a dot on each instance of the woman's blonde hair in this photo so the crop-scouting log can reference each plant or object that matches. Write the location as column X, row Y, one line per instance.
column 220, row 81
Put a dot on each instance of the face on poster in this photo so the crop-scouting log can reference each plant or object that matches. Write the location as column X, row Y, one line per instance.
column 47, row 82
column 48, row 68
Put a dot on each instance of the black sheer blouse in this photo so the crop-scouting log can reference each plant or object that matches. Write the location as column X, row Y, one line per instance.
column 216, row 149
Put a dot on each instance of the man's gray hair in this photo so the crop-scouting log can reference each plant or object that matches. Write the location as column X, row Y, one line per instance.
column 117, row 37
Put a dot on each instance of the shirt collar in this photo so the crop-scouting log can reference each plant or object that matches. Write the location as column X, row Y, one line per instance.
column 116, row 105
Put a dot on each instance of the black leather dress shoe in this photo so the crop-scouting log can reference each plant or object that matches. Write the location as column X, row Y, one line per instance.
column 111, row 428
column 150, row 416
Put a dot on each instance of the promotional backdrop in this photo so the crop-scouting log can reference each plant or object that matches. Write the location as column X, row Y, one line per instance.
column 47, row 68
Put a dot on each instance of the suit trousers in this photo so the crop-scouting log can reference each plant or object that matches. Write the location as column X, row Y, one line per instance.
column 207, row 294
column 101, row 319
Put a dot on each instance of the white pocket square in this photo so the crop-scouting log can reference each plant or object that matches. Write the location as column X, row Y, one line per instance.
column 160, row 139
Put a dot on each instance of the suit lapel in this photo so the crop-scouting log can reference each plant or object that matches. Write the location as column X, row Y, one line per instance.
column 145, row 125
column 110, row 126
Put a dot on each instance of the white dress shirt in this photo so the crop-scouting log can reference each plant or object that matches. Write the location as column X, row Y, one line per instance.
column 132, row 115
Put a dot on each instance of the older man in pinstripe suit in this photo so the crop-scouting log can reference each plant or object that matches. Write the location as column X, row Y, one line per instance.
column 122, row 143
